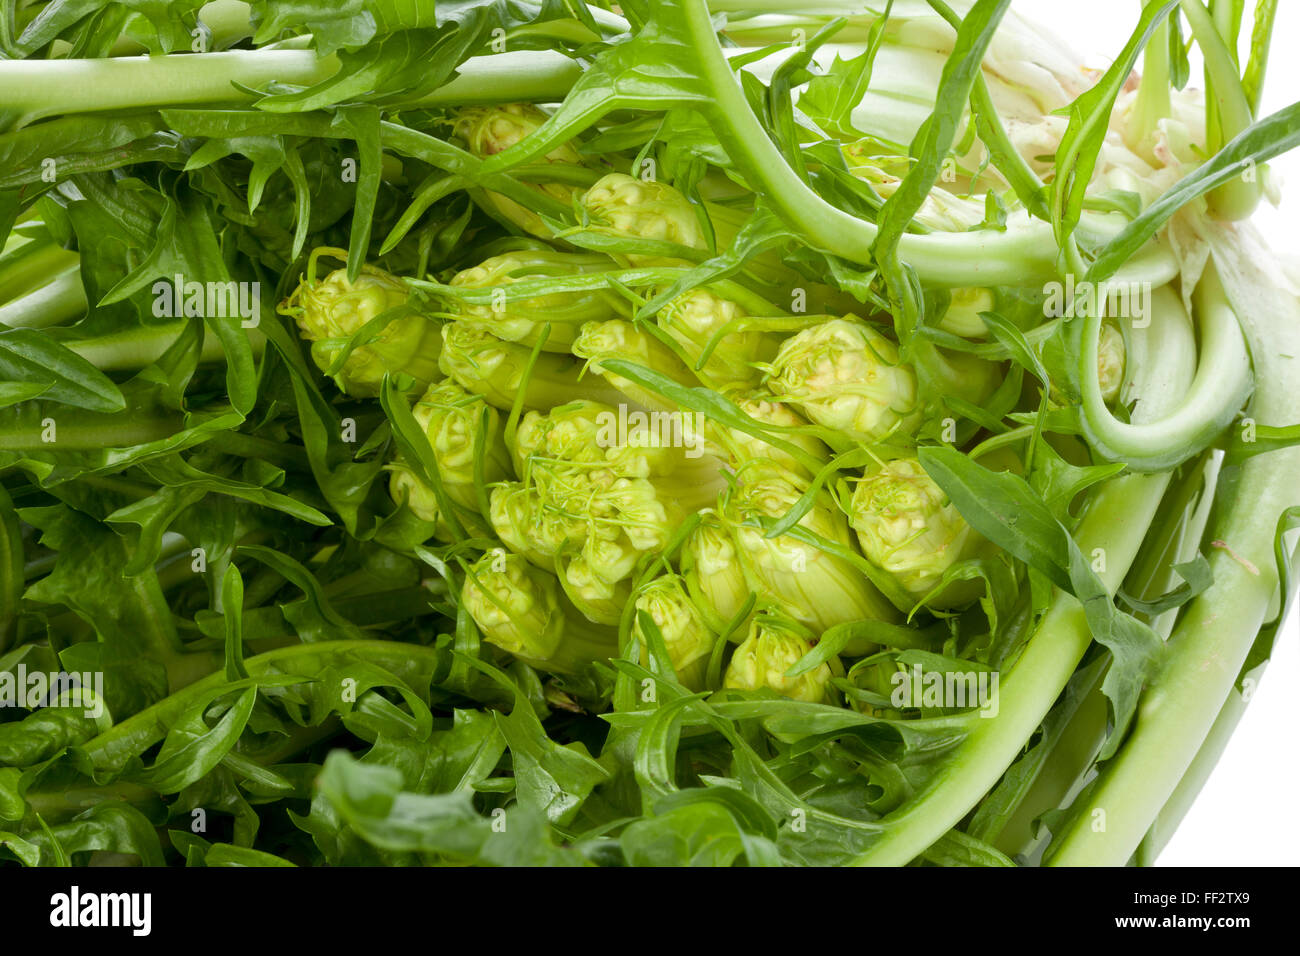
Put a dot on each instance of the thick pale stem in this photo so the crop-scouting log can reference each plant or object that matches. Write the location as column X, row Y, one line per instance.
column 1209, row 648
column 1211, row 642
column 61, row 299
column 1153, row 100
column 1189, row 788
column 26, row 264
column 109, row 431
column 1177, row 536
column 1116, row 522
column 41, row 88
column 136, row 348
column 35, row 89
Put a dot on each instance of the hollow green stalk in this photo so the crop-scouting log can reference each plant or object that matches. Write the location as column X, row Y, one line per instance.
column 1218, row 629
column 1228, row 112
column 36, row 89
column 138, row 347
column 1022, row 253
column 1189, row 787
column 1116, row 521
column 1222, row 383
column 60, row 299
column 1209, row 647
column 1153, row 100
column 1175, row 536
column 94, row 431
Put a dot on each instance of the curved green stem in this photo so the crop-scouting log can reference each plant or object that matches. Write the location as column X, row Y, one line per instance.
column 1222, row 383
column 1023, row 253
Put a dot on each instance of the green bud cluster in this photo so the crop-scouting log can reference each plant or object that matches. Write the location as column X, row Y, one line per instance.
column 520, row 609
column 493, row 129
column 455, row 423
column 336, row 312
column 591, row 502
column 770, row 648
column 514, row 318
column 847, row 376
column 907, row 526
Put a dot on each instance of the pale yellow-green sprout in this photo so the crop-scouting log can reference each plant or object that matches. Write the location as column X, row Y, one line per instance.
column 907, row 526
column 622, row 443
column 635, row 506
column 489, row 130
column 596, row 577
column 517, row 318
column 643, row 209
column 1112, row 364
column 740, row 447
column 815, row 587
column 845, row 375
column 622, row 206
column 771, row 647
column 498, row 370
column 687, row 638
column 595, row 497
column 695, row 317
column 713, row 574
column 569, row 432
column 330, row 311
column 587, row 525
column 454, row 422
column 521, row 609
column 531, row 526
column 599, row 342
column 613, row 442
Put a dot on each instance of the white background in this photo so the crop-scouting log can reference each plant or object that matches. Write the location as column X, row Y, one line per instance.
column 1246, row 814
